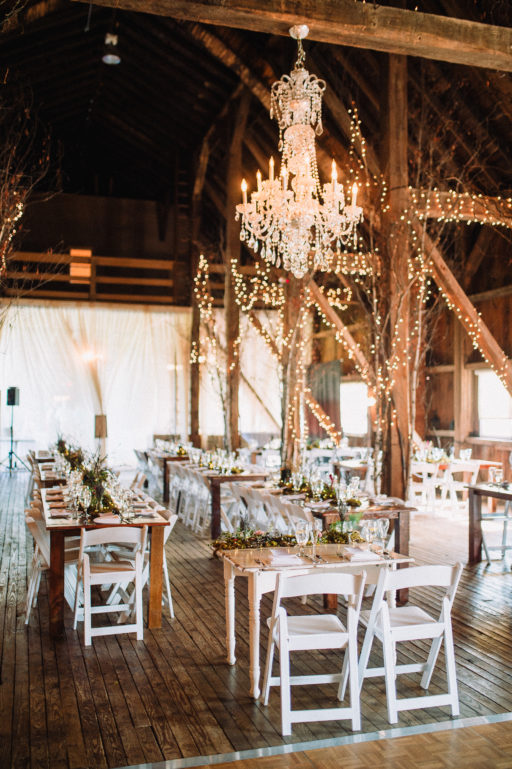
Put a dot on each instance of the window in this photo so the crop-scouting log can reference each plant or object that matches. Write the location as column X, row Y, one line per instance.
column 494, row 406
column 354, row 408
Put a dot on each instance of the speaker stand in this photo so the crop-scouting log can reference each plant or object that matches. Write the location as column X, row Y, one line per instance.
column 9, row 460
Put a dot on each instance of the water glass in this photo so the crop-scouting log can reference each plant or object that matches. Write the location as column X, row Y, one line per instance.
column 302, row 535
column 498, row 475
column 382, row 529
column 316, row 531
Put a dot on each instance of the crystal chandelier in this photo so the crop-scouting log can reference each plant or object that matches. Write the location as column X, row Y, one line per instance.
column 291, row 220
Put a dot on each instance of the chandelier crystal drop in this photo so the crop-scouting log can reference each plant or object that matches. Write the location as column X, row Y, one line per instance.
column 291, row 220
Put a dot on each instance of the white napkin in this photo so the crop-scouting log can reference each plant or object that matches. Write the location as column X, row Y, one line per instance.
column 318, row 505
column 285, row 559
column 107, row 519
column 356, row 554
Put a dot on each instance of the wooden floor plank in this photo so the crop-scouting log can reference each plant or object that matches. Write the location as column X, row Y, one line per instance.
column 123, row 702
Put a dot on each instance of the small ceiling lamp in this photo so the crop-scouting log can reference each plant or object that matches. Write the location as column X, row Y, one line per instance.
column 290, row 218
column 110, row 51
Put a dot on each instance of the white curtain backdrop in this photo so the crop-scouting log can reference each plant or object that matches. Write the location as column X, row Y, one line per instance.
column 72, row 361
column 260, row 369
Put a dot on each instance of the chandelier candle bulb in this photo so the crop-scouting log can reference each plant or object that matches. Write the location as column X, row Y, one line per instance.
column 271, row 169
column 244, row 192
column 258, row 179
column 354, row 194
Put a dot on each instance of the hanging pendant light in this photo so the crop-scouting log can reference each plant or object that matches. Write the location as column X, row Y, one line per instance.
column 111, row 51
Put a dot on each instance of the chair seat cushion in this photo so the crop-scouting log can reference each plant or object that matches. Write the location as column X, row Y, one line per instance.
column 315, row 624
column 104, row 567
column 402, row 616
column 315, row 631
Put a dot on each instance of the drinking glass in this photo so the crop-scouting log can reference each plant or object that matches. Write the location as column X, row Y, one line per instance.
column 296, row 481
column 316, row 531
column 317, row 485
column 382, row 528
column 370, row 531
column 353, row 487
column 302, row 535
column 498, row 475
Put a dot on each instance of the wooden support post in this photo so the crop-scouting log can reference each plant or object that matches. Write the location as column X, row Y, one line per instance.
column 399, row 292
column 342, row 332
column 232, row 254
column 195, row 337
column 462, row 389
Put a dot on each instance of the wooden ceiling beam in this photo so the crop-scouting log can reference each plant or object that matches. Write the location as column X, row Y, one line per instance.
column 342, row 332
column 346, row 22
column 465, row 310
column 463, row 207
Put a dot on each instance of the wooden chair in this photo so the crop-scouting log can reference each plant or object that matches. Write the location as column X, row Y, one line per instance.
column 392, row 625
column 112, row 571
column 314, row 631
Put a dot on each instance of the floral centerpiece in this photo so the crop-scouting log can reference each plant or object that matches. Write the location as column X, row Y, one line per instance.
column 254, row 539
column 96, row 475
column 73, row 455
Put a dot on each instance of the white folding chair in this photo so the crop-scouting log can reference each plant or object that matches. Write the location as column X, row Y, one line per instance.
column 503, row 517
column 422, row 484
column 314, row 631
column 392, row 625
column 457, row 476
column 101, row 572
column 41, row 560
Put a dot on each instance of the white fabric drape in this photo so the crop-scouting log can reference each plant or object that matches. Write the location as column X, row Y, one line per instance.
column 260, row 368
column 74, row 361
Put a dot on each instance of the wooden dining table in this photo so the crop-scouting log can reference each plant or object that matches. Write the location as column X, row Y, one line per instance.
column 258, row 568
column 61, row 527
column 164, row 459
column 216, row 479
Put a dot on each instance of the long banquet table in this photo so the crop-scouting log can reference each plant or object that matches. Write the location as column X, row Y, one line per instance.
column 165, row 459
column 256, row 566
column 217, row 479
column 61, row 527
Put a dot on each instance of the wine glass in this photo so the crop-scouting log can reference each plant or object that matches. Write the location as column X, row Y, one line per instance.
column 370, row 531
column 317, row 485
column 498, row 475
column 302, row 535
column 382, row 528
column 353, row 486
column 316, row 531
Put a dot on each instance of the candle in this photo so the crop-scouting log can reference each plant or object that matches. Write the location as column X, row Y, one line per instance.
column 258, row 178
column 334, row 172
column 244, row 191
column 271, row 169
column 284, row 174
column 354, row 194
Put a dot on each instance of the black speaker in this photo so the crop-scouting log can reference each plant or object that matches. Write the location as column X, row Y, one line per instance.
column 13, row 396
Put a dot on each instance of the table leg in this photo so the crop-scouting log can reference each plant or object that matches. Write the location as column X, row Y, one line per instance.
column 254, row 634
column 56, row 583
column 166, row 482
column 229, row 586
column 330, row 599
column 475, row 527
column 156, row 577
column 215, row 491
column 402, row 535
